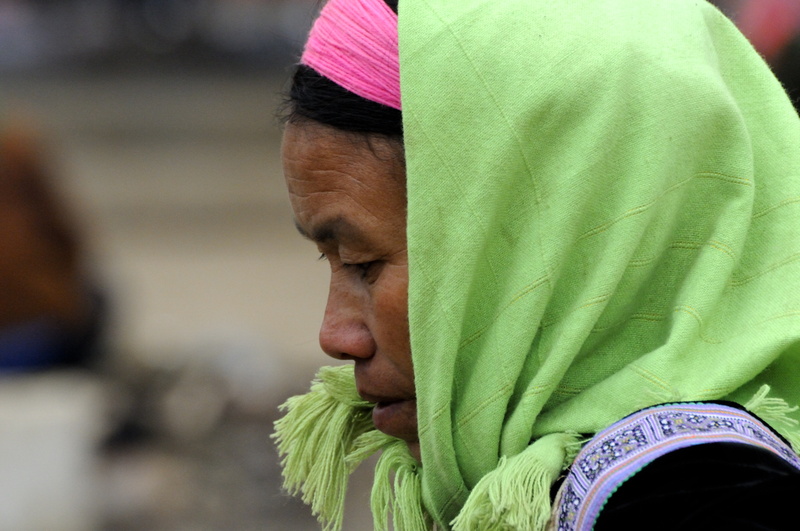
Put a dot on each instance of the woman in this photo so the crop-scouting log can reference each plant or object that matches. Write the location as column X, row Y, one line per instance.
column 542, row 220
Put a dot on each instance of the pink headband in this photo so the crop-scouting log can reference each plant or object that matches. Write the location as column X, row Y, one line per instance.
column 354, row 44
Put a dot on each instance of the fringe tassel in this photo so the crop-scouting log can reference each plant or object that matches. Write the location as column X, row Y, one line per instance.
column 516, row 495
column 775, row 411
column 403, row 501
column 573, row 447
column 365, row 445
column 315, row 437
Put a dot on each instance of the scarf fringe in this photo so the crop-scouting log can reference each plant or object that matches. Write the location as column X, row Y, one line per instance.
column 366, row 445
column 775, row 411
column 316, row 436
column 516, row 495
column 403, row 499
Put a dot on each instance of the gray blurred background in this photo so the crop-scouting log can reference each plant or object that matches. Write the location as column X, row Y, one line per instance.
column 157, row 123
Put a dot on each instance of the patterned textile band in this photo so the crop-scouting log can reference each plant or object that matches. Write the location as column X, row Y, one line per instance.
column 621, row 450
column 354, row 44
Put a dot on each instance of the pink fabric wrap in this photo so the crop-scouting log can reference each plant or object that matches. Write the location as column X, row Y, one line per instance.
column 354, row 44
column 769, row 24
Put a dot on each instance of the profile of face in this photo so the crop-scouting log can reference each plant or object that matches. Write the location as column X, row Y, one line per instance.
column 348, row 196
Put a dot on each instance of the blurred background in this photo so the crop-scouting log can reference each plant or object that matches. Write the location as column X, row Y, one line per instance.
column 156, row 303
column 174, row 307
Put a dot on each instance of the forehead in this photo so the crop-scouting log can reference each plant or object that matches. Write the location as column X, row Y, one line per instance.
column 322, row 144
column 330, row 175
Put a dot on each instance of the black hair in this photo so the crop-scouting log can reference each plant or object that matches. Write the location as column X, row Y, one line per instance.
column 315, row 97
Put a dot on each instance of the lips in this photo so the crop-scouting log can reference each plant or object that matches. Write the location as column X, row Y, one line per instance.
column 397, row 418
column 392, row 392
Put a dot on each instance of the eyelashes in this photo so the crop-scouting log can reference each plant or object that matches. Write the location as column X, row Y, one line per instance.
column 363, row 269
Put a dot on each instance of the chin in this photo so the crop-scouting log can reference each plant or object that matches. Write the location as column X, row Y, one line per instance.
column 413, row 447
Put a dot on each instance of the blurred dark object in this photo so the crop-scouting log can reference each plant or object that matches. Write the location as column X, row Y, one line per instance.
column 773, row 26
column 188, row 452
column 48, row 315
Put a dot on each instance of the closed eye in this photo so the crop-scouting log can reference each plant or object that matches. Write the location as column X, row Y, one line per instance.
column 363, row 269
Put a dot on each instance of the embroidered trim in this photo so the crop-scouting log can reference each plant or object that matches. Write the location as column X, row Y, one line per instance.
column 624, row 448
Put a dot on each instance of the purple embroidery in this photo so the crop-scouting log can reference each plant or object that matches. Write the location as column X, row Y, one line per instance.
column 622, row 449
column 612, row 450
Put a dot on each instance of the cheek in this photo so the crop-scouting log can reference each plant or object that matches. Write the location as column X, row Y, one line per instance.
column 390, row 326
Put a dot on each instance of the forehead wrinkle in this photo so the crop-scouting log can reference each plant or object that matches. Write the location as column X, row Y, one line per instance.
column 339, row 181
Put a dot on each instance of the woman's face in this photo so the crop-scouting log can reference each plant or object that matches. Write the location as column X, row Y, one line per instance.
column 348, row 196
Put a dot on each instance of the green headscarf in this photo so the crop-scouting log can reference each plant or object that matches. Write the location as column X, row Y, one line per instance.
column 603, row 214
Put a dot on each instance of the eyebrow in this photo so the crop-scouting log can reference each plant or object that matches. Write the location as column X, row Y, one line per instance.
column 335, row 229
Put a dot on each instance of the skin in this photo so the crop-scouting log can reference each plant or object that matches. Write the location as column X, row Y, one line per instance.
column 348, row 196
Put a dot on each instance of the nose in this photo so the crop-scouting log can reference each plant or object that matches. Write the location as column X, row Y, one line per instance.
column 344, row 333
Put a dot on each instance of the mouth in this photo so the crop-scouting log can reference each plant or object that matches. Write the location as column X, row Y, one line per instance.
column 398, row 419
column 395, row 416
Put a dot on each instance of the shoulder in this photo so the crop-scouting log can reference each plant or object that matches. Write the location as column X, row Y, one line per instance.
column 681, row 466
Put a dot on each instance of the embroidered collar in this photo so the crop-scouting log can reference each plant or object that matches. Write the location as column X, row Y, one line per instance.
column 624, row 448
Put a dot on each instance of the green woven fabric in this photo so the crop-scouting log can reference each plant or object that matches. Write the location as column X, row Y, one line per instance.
column 604, row 214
